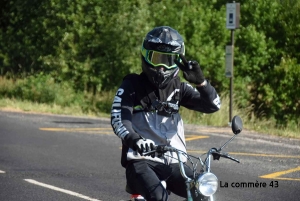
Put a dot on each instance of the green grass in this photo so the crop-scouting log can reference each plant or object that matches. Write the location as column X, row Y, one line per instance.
column 28, row 106
column 220, row 118
column 33, row 95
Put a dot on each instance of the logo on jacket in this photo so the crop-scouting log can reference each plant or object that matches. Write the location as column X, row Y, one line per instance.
column 116, row 120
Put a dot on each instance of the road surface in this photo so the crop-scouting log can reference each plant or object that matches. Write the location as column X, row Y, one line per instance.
column 55, row 157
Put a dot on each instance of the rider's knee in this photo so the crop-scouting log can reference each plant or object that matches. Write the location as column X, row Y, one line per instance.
column 160, row 193
column 161, row 196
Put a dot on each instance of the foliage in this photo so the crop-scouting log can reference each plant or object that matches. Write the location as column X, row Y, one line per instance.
column 285, row 102
column 41, row 88
column 88, row 46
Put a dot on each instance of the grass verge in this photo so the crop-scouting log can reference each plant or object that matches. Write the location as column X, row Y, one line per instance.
column 220, row 118
column 41, row 93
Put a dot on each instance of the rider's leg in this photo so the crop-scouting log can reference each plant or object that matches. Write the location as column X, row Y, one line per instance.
column 142, row 178
column 176, row 183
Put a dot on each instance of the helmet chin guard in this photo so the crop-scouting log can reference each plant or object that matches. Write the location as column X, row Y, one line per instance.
column 160, row 76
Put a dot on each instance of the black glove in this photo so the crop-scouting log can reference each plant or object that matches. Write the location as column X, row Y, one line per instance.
column 160, row 150
column 143, row 145
column 191, row 70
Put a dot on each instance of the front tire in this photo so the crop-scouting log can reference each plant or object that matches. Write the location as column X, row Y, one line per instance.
column 210, row 198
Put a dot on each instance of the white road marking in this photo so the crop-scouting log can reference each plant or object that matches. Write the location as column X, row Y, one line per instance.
column 2, row 172
column 61, row 190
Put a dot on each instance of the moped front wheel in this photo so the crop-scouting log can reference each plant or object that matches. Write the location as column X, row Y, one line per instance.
column 204, row 198
column 210, row 198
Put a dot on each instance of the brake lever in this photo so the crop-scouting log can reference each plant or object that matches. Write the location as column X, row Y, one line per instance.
column 160, row 149
column 231, row 158
column 148, row 153
column 226, row 155
column 157, row 148
column 216, row 156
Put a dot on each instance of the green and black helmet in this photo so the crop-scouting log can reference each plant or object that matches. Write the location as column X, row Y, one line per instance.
column 160, row 48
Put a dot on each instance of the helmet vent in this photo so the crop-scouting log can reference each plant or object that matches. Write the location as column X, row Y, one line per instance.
column 164, row 48
column 174, row 43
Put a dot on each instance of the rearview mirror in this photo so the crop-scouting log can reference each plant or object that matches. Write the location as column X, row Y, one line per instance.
column 236, row 125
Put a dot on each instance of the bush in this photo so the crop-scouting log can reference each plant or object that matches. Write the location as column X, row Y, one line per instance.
column 41, row 89
column 88, row 46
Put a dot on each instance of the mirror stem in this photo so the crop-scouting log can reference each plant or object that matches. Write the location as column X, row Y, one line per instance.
column 227, row 143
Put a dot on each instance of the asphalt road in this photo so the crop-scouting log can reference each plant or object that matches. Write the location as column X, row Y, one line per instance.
column 51, row 157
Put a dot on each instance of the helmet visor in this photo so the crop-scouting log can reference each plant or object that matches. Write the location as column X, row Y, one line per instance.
column 160, row 58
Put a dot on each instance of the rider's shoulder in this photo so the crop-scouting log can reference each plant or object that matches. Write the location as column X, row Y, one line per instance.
column 186, row 86
column 131, row 76
column 133, row 81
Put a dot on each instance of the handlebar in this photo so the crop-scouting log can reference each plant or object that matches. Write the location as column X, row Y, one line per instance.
column 160, row 149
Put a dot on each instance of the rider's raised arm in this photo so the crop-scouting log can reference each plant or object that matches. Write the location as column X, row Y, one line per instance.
column 121, row 114
column 202, row 98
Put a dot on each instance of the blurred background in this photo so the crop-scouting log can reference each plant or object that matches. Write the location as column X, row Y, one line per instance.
column 70, row 56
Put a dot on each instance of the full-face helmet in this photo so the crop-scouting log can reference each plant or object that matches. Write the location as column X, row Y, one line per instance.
column 160, row 48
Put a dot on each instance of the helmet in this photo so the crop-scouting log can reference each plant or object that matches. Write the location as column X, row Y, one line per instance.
column 160, row 48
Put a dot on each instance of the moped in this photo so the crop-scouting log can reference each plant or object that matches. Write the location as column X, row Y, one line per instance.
column 204, row 180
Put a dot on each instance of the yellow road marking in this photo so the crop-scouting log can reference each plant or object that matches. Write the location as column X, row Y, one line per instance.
column 264, row 155
column 285, row 178
column 106, row 131
column 195, row 137
column 276, row 175
column 253, row 154
column 95, row 132
column 213, row 130
column 74, row 129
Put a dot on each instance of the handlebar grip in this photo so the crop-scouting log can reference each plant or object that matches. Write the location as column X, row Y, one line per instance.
column 226, row 155
column 160, row 149
column 234, row 159
column 217, row 155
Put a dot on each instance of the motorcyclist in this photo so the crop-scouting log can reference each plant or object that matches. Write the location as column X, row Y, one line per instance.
column 145, row 112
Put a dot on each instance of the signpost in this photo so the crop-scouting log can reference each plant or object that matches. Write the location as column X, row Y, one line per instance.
column 232, row 15
column 232, row 23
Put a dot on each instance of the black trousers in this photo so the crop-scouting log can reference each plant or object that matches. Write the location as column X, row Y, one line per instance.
column 144, row 177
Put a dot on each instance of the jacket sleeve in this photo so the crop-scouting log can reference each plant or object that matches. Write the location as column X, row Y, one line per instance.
column 203, row 99
column 121, row 114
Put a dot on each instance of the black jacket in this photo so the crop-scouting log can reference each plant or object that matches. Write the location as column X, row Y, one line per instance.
column 133, row 108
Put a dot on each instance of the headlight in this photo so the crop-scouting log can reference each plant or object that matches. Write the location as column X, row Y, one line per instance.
column 207, row 184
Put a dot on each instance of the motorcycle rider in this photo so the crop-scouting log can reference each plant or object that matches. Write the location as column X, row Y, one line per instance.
column 145, row 112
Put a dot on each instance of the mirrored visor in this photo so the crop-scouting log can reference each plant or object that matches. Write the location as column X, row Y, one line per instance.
column 162, row 59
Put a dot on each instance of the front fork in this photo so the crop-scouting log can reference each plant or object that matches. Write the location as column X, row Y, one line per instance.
column 188, row 180
column 211, row 198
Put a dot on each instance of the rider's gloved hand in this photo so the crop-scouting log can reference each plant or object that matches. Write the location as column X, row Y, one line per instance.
column 160, row 150
column 144, row 145
column 191, row 70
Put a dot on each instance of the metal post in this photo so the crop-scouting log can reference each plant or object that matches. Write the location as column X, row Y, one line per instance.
column 231, row 78
column 232, row 23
